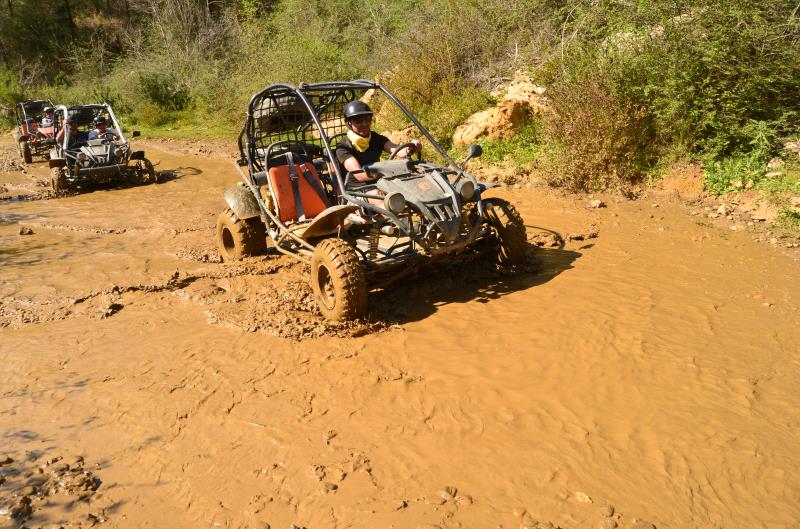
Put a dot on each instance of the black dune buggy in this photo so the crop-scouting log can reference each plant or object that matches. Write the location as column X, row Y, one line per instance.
column 355, row 236
column 79, row 159
column 34, row 134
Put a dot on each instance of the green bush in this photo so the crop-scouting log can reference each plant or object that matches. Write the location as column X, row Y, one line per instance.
column 164, row 91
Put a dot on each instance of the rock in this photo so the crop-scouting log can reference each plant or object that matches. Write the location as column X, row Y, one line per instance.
column 609, row 523
column 6, row 461
column 641, row 524
column 776, row 163
column 519, row 512
column 773, row 174
column 24, row 230
column 723, row 210
column 596, row 204
column 795, row 202
column 583, row 498
column 764, row 213
column 448, row 493
column 773, row 240
column 402, row 504
column 329, row 487
column 608, row 511
column 521, row 99
column 792, row 146
column 655, row 205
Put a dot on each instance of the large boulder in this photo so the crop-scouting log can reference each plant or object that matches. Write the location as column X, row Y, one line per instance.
column 518, row 101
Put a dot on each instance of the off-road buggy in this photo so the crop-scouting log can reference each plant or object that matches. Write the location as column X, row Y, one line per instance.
column 77, row 161
column 34, row 135
column 297, row 198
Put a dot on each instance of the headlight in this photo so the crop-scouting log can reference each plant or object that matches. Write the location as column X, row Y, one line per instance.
column 466, row 189
column 82, row 156
column 118, row 152
column 395, row 202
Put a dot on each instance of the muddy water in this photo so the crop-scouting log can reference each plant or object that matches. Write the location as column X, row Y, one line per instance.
column 646, row 374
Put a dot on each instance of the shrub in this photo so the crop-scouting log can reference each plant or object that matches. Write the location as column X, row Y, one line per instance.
column 164, row 91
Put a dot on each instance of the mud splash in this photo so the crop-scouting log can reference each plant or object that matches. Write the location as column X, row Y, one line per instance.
column 645, row 376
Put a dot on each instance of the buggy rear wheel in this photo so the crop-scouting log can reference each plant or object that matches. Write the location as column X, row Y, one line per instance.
column 58, row 180
column 509, row 230
column 144, row 173
column 25, row 149
column 239, row 238
column 337, row 280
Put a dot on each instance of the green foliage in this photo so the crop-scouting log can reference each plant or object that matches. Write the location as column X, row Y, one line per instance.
column 164, row 91
column 10, row 94
column 522, row 148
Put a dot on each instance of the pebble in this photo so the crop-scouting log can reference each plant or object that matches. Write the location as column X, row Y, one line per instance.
column 330, row 487
column 582, row 497
column 641, row 524
column 723, row 210
column 773, row 241
column 30, row 490
column 402, row 504
column 24, row 230
column 519, row 512
column 448, row 493
column 608, row 511
column 609, row 523
column 655, row 205
column 595, row 204
column 6, row 461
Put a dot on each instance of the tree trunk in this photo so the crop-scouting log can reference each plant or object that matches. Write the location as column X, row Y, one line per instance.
column 69, row 19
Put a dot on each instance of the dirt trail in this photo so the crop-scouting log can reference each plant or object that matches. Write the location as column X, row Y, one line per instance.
column 647, row 374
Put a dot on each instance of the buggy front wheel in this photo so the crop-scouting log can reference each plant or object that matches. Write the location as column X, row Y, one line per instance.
column 239, row 238
column 337, row 280
column 509, row 230
column 58, row 180
column 144, row 172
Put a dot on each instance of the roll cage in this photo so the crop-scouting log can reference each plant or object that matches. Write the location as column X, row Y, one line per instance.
column 31, row 110
column 85, row 115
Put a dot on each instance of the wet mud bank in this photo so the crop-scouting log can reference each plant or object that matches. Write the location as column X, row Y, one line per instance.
column 643, row 372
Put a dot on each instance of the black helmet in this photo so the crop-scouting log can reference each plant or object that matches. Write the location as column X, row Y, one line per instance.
column 356, row 108
column 99, row 120
column 72, row 118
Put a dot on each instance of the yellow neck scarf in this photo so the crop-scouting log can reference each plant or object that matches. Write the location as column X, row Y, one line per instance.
column 360, row 143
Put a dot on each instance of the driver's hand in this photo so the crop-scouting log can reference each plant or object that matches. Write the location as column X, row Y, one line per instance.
column 417, row 147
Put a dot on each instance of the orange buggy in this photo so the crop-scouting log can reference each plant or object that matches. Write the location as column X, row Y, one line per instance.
column 34, row 134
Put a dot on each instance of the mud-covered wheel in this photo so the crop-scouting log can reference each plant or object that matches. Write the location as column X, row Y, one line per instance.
column 238, row 238
column 58, row 180
column 337, row 280
column 509, row 230
column 144, row 172
column 25, row 149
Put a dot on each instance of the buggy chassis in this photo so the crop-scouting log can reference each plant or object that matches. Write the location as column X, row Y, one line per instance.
column 79, row 161
column 411, row 212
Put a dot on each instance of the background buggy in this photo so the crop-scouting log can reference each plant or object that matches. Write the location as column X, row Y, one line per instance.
column 77, row 161
column 297, row 195
column 32, row 138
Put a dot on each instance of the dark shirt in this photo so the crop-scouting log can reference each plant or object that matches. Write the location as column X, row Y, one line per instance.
column 345, row 149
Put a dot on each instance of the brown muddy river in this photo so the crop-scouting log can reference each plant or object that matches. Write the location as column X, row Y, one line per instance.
column 648, row 375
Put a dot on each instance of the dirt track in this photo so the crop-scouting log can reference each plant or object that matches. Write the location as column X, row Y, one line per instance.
column 647, row 374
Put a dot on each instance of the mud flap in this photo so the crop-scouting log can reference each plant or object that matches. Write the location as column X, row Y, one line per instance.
column 328, row 221
column 56, row 162
column 242, row 202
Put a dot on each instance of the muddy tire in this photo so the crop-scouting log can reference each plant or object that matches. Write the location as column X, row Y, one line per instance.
column 144, row 172
column 337, row 280
column 58, row 180
column 25, row 150
column 238, row 238
column 509, row 230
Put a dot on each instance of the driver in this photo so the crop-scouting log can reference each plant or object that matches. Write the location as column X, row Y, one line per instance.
column 75, row 136
column 362, row 146
column 100, row 131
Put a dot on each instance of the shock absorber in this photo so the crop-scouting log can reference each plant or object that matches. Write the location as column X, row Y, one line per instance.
column 374, row 239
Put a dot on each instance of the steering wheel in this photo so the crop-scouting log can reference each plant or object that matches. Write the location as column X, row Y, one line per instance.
column 403, row 146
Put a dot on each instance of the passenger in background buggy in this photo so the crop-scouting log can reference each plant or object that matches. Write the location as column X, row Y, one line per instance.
column 362, row 146
column 47, row 117
column 101, row 132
